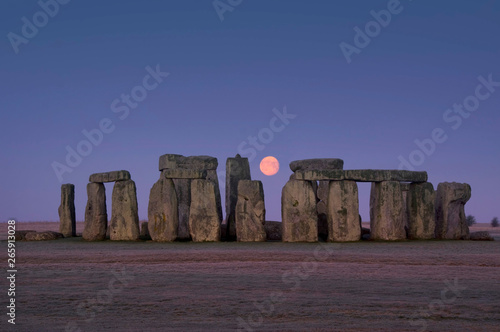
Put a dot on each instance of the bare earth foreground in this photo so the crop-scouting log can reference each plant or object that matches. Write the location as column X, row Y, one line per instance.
column 73, row 285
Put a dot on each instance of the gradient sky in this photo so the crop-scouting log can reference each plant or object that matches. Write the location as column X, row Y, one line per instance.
column 225, row 79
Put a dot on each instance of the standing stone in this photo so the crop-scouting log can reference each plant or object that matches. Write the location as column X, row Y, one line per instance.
column 421, row 211
column 96, row 218
column 298, row 212
column 183, row 191
column 67, row 219
column 387, row 211
column 204, row 218
column 163, row 217
column 343, row 212
column 124, row 224
column 212, row 176
column 237, row 169
column 250, row 212
column 450, row 212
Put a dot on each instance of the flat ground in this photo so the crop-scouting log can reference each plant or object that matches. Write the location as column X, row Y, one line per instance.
column 73, row 285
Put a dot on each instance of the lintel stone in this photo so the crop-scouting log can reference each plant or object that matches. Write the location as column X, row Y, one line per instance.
column 172, row 161
column 362, row 175
column 316, row 164
column 110, row 176
column 180, row 173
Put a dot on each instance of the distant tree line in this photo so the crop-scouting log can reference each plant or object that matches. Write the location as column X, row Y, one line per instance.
column 471, row 220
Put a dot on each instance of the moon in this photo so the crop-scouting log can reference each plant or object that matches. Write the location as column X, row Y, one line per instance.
column 269, row 165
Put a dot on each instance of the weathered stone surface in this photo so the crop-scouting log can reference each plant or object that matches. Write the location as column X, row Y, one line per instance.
column 43, row 236
column 183, row 191
column 163, row 216
column 21, row 235
column 237, row 169
column 343, row 212
column 298, row 212
column 96, row 217
column 180, row 173
column 316, row 164
column 481, row 236
column 172, row 161
column 250, row 212
column 124, row 223
column 374, row 175
column 405, row 187
column 362, row 175
column 315, row 188
column 110, row 176
column 212, row 176
column 200, row 163
column 322, row 191
column 273, row 230
column 145, row 231
column 421, row 212
column 204, row 218
column 319, row 175
column 67, row 218
column 386, row 211
column 450, row 214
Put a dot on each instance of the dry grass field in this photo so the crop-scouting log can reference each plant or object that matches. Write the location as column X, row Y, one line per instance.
column 73, row 285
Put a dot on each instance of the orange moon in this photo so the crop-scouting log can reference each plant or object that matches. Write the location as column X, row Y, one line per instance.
column 269, row 165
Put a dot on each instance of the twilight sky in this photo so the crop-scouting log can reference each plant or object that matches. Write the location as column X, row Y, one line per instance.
column 379, row 84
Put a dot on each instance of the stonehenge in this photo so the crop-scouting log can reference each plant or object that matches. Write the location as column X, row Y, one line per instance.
column 67, row 218
column 318, row 203
column 403, row 205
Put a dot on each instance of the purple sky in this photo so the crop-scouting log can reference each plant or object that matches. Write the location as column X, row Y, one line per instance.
column 362, row 97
